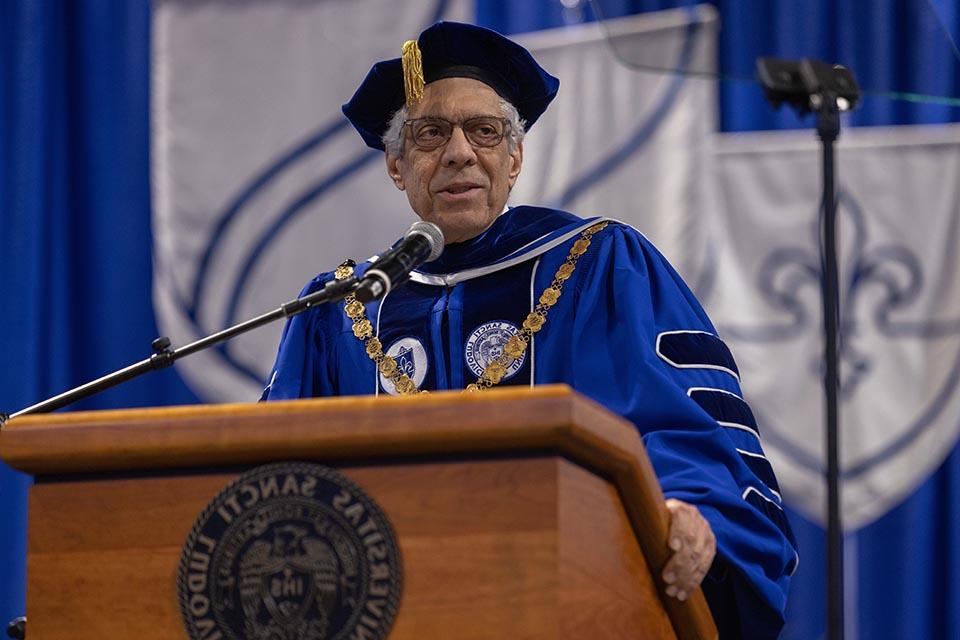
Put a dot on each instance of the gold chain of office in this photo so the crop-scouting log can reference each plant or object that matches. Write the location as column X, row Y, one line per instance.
column 514, row 348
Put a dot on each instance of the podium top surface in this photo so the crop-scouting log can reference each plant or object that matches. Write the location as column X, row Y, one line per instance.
column 548, row 418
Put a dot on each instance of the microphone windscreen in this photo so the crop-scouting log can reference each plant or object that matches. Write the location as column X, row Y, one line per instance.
column 432, row 233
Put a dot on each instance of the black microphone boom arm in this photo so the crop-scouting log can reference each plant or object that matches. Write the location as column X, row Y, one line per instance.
column 422, row 242
column 163, row 356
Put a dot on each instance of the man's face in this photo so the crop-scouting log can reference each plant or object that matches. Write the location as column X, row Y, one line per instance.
column 459, row 187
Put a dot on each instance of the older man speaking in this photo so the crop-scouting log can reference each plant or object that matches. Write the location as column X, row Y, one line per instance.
column 529, row 295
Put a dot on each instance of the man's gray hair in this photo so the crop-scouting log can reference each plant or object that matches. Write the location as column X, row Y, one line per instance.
column 393, row 138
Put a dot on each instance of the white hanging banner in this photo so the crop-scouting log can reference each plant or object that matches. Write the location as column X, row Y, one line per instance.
column 899, row 213
column 629, row 144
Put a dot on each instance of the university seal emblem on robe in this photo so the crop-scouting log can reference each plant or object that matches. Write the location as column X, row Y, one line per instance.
column 485, row 344
column 293, row 551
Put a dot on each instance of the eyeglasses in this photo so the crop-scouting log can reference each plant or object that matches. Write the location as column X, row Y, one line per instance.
column 433, row 133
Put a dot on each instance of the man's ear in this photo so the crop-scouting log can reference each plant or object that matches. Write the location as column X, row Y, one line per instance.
column 516, row 158
column 393, row 170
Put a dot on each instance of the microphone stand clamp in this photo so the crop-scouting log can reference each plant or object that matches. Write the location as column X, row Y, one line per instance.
column 17, row 628
column 163, row 355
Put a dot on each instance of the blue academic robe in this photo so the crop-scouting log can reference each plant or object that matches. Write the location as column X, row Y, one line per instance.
column 626, row 332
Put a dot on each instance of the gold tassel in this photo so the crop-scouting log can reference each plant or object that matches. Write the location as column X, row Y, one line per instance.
column 412, row 72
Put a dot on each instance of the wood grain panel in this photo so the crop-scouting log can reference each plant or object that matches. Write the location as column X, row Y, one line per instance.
column 478, row 541
column 127, row 593
column 606, row 590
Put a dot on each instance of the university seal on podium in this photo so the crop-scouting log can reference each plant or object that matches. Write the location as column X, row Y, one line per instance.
column 290, row 551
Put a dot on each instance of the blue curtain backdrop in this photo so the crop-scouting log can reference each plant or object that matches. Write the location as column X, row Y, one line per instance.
column 75, row 266
column 75, row 263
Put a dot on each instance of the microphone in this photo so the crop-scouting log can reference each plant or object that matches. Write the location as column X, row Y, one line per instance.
column 423, row 242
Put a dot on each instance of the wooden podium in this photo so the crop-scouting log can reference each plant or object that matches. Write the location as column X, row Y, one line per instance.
column 520, row 513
